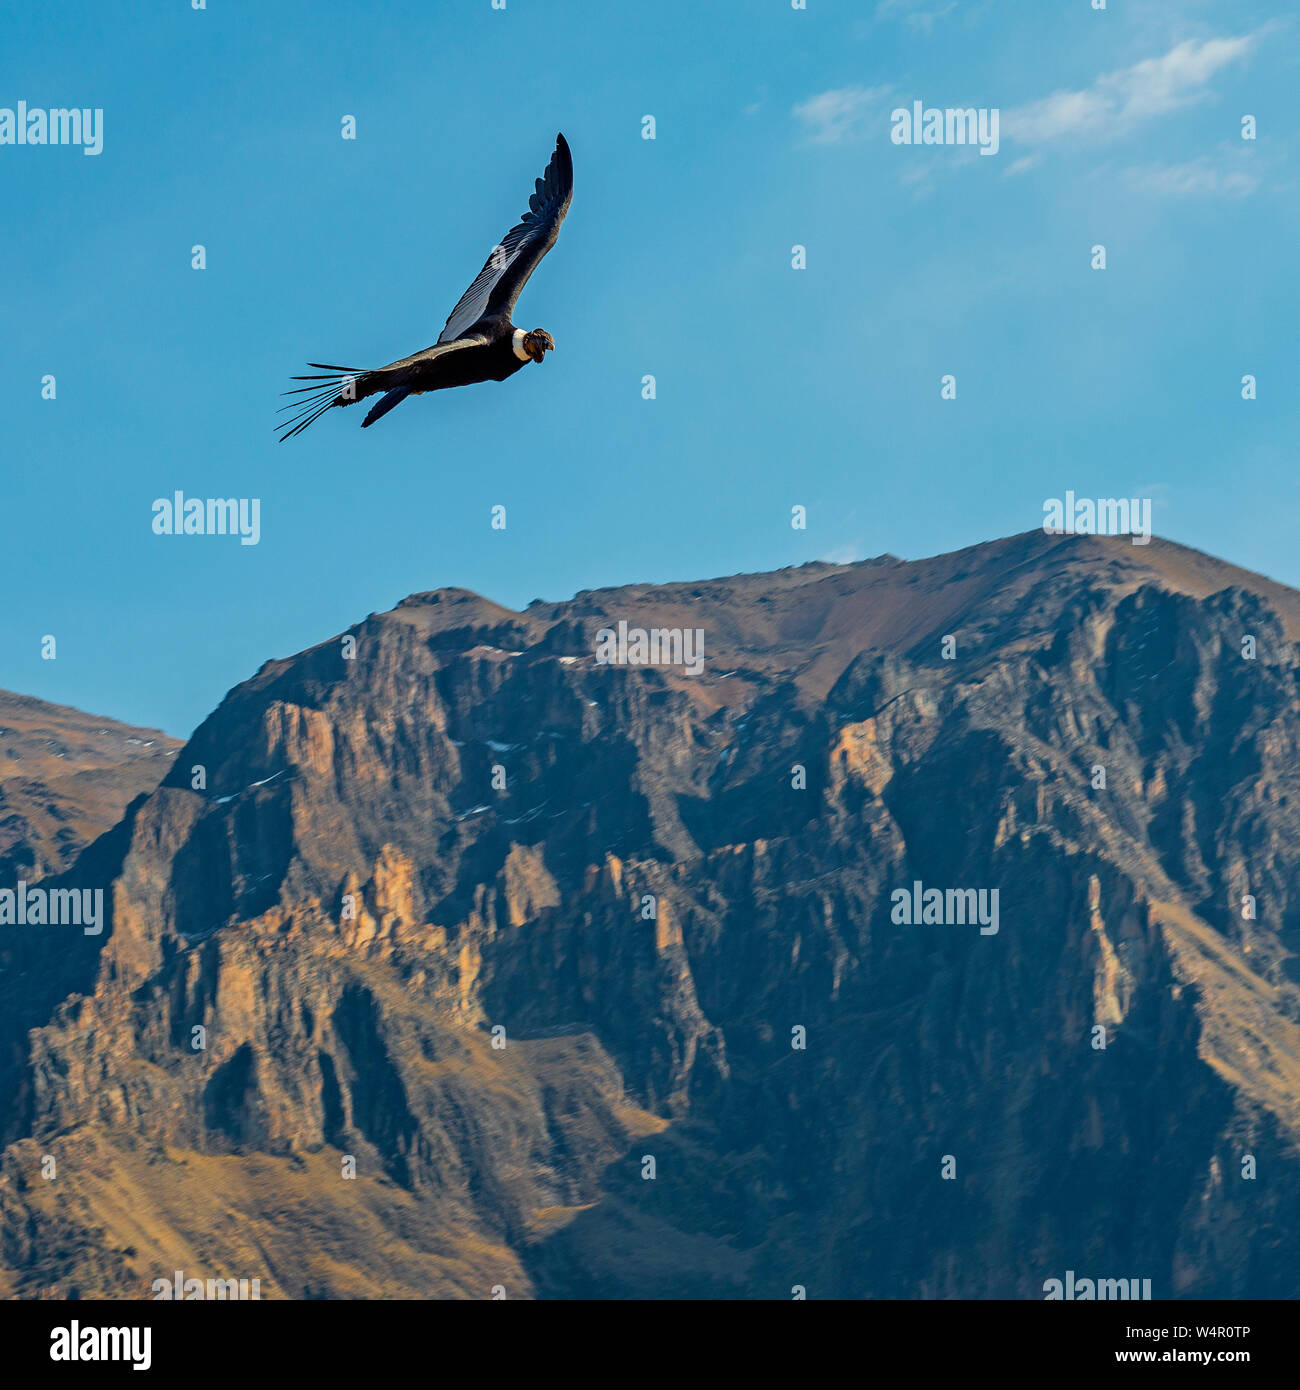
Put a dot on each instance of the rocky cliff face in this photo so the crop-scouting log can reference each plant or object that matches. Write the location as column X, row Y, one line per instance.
column 65, row 778
column 447, row 957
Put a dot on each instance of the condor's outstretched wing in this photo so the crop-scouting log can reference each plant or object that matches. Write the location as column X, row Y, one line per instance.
column 497, row 285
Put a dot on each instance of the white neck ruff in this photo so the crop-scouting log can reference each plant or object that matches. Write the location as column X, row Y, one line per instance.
column 517, row 342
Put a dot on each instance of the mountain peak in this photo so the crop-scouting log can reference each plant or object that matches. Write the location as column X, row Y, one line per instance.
column 498, row 920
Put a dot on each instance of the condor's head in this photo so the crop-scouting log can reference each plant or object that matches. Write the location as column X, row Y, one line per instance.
column 538, row 343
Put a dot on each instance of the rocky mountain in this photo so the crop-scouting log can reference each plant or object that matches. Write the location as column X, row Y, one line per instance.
column 65, row 778
column 448, row 959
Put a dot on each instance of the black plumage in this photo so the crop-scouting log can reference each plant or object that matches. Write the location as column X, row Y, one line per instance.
column 480, row 342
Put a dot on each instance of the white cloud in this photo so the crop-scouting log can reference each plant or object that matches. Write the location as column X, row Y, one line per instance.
column 841, row 114
column 911, row 12
column 1120, row 100
column 848, row 554
column 1063, row 113
column 1022, row 166
column 919, row 178
column 1205, row 177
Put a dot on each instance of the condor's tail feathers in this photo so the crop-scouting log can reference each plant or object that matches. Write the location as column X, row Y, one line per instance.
column 330, row 387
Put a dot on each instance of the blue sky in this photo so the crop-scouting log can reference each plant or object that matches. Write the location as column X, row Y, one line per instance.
column 775, row 386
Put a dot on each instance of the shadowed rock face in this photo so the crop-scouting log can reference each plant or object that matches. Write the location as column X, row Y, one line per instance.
column 494, row 924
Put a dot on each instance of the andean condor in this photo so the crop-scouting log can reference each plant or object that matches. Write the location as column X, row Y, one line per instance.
column 479, row 343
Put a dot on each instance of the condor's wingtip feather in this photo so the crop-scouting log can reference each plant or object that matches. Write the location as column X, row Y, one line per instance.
column 385, row 404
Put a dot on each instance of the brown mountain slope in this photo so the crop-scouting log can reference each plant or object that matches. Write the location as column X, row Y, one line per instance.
column 500, row 924
column 65, row 778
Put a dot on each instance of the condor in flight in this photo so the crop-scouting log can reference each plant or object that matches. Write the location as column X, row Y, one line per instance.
column 479, row 343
